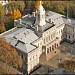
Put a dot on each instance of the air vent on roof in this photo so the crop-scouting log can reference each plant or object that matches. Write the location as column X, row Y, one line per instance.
column 21, row 38
column 47, row 15
column 14, row 37
column 33, row 13
column 25, row 34
column 20, row 21
column 49, row 20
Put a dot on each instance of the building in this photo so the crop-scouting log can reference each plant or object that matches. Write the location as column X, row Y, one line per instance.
column 4, row 2
column 40, row 33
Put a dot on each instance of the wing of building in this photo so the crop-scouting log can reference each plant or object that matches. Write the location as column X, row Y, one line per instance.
column 4, row 2
column 40, row 33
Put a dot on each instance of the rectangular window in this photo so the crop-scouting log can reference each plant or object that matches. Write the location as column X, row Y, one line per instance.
column 40, row 43
column 69, row 36
column 49, row 37
column 44, row 41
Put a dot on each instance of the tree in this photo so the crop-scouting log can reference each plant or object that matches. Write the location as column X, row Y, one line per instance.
column 0, row 12
column 2, row 27
column 69, row 64
column 20, row 5
column 9, row 54
column 17, row 14
column 37, row 4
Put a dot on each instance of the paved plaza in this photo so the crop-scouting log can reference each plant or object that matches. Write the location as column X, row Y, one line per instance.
column 44, row 69
column 67, row 52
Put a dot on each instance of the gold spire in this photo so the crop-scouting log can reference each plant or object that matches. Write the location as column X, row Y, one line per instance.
column 40, row 3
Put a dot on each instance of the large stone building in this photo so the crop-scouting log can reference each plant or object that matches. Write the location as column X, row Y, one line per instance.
column 4, row 2
column 40, row 33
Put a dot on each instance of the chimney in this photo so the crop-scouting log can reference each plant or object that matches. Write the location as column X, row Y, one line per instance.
column 37, row 27
column 33, row 13
column 20, row 21
column 49, row 20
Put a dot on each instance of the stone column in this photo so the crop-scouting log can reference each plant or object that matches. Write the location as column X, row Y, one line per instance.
column 46, row 50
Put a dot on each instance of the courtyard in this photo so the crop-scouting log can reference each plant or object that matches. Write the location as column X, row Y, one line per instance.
column 67, row 51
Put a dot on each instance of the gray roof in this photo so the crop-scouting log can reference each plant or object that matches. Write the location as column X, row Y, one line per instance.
column 55, row 18
column 59, row 19
column 26, row 20
column 22, row 39
column 47, row 26
column 70, row 22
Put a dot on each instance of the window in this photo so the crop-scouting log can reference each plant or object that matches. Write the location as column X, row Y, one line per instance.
column 47, row 50
column 73, row 36
column 22, row 56
column 49, row 37
column 44, row 41
column 40, row 43
column 59, row 31
column 69, row 36
column 33, row 56
column 30, row 58
column 38, row 16
column 66, row 35
column 50, row 49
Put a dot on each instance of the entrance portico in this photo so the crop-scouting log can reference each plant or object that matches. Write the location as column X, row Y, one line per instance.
column 51, row 49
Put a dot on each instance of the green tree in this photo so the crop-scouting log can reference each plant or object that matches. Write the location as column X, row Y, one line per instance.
column 1, row 12
column 9, row 22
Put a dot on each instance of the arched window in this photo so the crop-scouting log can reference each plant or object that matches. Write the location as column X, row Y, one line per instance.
column 69, row 36
column 47, row 50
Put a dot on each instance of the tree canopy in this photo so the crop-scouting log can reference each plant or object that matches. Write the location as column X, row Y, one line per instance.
column 0, row 12
column 2, row 27
column 9, row 54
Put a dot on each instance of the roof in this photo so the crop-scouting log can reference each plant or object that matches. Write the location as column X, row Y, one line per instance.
column 70, row 22
column 22, row 39
column 47, row 26
column 26, row 20
column 55, row 18
column 59, row 19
